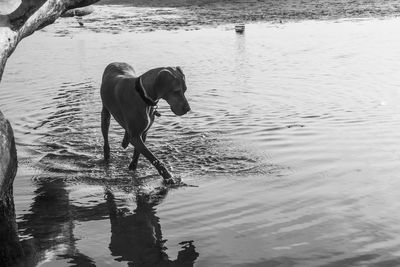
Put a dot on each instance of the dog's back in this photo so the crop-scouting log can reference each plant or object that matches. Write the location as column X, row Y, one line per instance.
column 117, row 69
column 114, row 74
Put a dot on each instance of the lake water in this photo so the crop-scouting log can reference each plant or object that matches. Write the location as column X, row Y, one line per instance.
column 292, row 148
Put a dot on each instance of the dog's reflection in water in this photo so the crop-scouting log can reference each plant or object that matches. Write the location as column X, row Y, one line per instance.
column 137, row 238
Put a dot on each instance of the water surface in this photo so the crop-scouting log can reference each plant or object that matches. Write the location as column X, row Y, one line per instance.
column 292, row 143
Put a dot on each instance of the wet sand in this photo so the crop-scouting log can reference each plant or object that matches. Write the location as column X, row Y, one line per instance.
column 220, row 11
column 250, row 10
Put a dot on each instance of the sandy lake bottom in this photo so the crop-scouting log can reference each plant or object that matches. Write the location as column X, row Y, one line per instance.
column 292, row 148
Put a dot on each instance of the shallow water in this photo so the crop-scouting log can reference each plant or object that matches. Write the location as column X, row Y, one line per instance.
column 292, row 144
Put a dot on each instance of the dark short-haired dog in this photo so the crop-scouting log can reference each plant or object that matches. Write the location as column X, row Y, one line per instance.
column 132, row 102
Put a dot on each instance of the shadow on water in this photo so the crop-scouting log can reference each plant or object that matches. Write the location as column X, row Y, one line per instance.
column 135, row 238
column 50, row 224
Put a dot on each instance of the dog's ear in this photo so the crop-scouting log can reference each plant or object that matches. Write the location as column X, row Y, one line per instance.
column 164, row 78
column 180, row 70
column 171, row 71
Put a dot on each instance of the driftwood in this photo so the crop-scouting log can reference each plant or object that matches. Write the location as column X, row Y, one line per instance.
column 16, row 23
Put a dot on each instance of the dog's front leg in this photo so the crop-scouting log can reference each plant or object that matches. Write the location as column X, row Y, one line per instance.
column 136, row 155
column 135, row 159
column 137, row 142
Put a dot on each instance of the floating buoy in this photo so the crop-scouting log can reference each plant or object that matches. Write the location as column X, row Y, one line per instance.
column 239, row 28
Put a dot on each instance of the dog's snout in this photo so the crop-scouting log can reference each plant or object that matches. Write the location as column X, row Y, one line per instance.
column 181, row 110
column 187, row 107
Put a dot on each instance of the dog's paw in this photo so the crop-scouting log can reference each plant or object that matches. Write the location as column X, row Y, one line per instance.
column 173, row 181
column 169, row 181
column 132, row 166
column 106, row 153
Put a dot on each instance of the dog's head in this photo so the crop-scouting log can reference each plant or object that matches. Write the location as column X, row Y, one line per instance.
column 171, row 82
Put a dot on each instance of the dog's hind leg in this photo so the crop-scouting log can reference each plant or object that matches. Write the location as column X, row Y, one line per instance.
column 105, row 124
column 136, row 155
column 125, row 141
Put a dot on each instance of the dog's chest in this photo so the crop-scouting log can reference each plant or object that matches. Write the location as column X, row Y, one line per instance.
column 149, row 117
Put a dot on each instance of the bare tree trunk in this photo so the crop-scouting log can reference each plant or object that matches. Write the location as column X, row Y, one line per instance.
column 28, row 17
column 10, row 249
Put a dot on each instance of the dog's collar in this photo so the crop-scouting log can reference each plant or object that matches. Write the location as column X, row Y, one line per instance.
column 142, row 92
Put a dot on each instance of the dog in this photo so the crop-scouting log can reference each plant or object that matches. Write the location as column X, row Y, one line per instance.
column 133, row 103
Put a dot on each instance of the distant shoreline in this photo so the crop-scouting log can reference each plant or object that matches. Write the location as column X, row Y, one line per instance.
column 269, row 10
column 115, row 16
column 172, row 3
